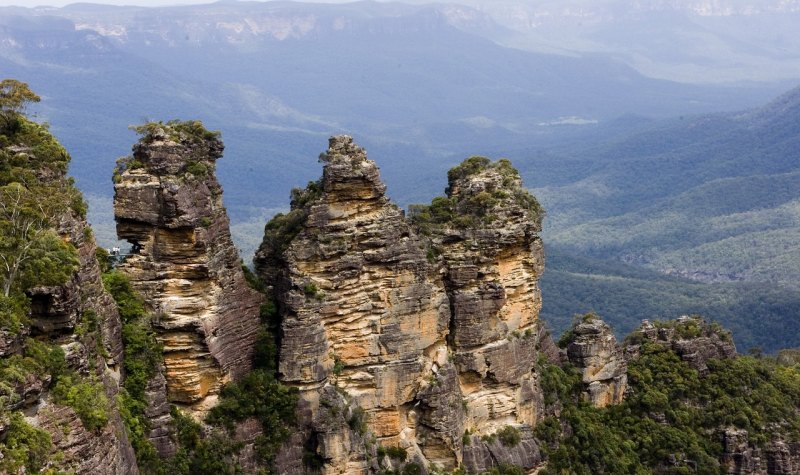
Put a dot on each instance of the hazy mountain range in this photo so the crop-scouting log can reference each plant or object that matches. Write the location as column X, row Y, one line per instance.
column 612, row 110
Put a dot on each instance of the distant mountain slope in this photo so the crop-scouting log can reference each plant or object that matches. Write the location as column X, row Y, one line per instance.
column 760, row 315
column 421, row 86
column 714, row 198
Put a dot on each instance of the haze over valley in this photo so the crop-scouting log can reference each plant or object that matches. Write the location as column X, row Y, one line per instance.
column 650, row 132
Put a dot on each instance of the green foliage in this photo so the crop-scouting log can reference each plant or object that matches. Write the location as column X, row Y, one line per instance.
column 254, row 281
column 283, row 228
column 142, row 355
column 199, row 169
column 88, row 323
column 13, row 311
column 566, row 338
column 129, row 303
column 103, row 259
column 87, row 398
column 758, row 314
column 468, row 209
column 788, row 357
column 190, row 131
column 558, row 384
column 393, row 452
column 25, row 448
column 123, row 164
column 198, row 453
column 311, row 290
column 31, row 252
column 358, row 420
column 505, row 469
column 757, row 395
column 261, row 396
column 14, row 98
column 468, row 167
column 39, row 361
column 34, row 195
column 509, row 436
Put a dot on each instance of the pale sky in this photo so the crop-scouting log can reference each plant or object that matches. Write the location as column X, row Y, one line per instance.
column 144, row 3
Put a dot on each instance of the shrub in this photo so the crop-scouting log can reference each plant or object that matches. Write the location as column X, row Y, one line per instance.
column 261, row 396
column 358, row 420
column 25, row 448
column 393, row 452
column 198, row 454
column 509, row 436
column 87, row 398
column 129, row 303
column 199, row 169
column 142, row 354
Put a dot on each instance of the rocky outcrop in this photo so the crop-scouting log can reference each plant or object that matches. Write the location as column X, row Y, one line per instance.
column 362, row 307
column 60, row 315
column 168, row 205
column 84, row 451
column 429, row 337
column 593, row 350
column 741, row 457
column 691, row 337
column 492, row 259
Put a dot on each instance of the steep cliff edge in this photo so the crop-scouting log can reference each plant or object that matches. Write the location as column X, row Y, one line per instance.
column 168, row 205
column 61, row 350
column 592, row 348
column 433, row 339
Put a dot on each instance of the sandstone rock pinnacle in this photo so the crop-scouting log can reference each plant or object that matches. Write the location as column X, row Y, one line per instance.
column 430, row 328
column 168, row 205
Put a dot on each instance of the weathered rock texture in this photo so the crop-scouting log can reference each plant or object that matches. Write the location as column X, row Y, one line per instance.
column 692, row 338
column 740, row 457
column 492, row 264
column 168, row 205
column 593, row 350
column 428, row 347
column 55, row 313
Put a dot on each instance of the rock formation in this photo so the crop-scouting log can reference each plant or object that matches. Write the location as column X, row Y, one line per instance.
column 493, row 259
column 594, row 351
column 692, row 338
column 78, row 317
column 742, row 457
column 55, row 313
column 168, row 205
column 431, row 339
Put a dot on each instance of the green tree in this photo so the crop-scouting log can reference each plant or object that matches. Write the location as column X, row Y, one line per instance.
column 31, row 252
column 14, row 97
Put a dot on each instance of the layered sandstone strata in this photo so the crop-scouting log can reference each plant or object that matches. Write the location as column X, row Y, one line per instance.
column 361, row 306
column 593, row 350
column 433, row 338
column 168, row 205
column 695, row 340
column 57, row 312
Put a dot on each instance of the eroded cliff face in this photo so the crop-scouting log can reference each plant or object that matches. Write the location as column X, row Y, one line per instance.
column 168, row 205
column 56, row 315
column 593, row 350
column 695, row 340
column 433, row 338
column 492, row 264
column 76, row 319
